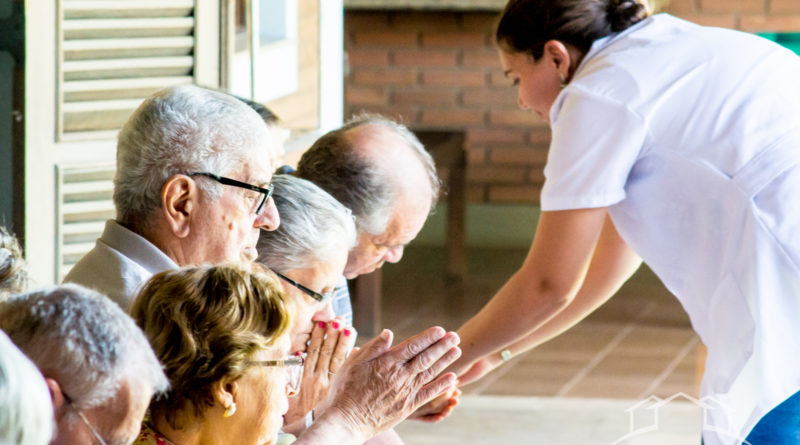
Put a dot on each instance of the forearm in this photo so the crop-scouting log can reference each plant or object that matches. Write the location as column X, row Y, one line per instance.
column 331, row 428
column 613, row 262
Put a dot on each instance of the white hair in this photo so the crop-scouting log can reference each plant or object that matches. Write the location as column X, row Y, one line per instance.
column 26, row 414
column 314, row 229
column 82, row 340
column 182, row 130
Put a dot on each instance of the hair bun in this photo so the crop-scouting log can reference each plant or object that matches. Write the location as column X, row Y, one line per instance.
column 623, row 14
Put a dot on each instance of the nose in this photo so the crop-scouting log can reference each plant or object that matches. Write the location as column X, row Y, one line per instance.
column 393, row 254
column 268, row 219
column 325, row 313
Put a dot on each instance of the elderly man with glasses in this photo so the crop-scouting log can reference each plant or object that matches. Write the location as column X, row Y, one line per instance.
column 192, row 186
column 96, row 362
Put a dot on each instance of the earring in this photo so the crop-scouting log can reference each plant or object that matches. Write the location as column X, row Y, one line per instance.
column 563, row 81
column 230, row 410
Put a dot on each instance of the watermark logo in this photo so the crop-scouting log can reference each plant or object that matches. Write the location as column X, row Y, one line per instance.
column 644, row 417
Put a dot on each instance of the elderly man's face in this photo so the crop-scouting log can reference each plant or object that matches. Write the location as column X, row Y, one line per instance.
column 373, row 250
column 117, row 421
column 228, row 228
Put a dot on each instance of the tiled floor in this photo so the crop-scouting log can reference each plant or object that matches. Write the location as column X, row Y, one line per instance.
column 639, row 344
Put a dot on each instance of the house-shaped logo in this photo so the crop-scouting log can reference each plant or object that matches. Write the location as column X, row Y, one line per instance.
column 644, row 416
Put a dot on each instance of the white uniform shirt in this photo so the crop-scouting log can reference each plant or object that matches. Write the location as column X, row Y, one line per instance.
column 691, row 136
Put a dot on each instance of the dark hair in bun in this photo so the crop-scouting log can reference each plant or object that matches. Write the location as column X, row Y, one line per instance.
column 526, row 25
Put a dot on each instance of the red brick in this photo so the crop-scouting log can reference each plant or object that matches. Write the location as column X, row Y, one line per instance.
column 364, row 57
column 384, row 77
column 481, row 58
column 718, row 20
column 425, row 97
column 784, row 6
column 536, row 174
column 361, row 20
column 476, row 156
column 490, row 97
column 495, row 174
column 758, row 23
column 455, row 39
column 479, row 21
column 732, row 5
column 478, row 136
column 354, row 95
column 449, row 118
column 679, row 6
column 425, row 21
column 476, row 193
column 527, row 156
column 540, row 136
column 454, row 78
column 385, row 38
column 424, row 58
column 519, row 117
column 527, row 193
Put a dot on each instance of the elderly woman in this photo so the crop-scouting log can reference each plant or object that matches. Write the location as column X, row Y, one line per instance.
column 26, row 414
column 220, row 332
column 309, row 252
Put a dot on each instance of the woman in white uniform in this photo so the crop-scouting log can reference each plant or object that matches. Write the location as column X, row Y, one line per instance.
column 678, row 145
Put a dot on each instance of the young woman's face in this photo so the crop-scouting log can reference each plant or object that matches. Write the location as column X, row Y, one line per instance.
column 538, row 82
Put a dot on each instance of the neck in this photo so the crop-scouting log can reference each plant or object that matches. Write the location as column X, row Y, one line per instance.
column 206, row 431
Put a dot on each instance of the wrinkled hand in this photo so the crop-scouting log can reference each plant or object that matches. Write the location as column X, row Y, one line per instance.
column 380, row 386
column 328, row 348
column 478, row 370
column 438, row 408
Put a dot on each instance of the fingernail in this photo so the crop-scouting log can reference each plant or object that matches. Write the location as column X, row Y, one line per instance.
column 322, row 324
column 335, row 325
column 347, row 332
column 297, row 354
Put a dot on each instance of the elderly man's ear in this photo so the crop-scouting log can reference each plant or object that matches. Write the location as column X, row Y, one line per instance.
column 179, row 198
column 57, row 396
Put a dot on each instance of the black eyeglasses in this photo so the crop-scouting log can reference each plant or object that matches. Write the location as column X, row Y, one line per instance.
column 313, row 294
column 265, row 192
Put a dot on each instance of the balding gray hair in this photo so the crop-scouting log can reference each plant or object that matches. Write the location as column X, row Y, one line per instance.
column 357, row 181
column 314, row 229
column 26, row 413
column 181, row 130
column 82, row 340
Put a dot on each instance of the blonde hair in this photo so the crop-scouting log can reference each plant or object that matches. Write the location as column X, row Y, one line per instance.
column 204, row 324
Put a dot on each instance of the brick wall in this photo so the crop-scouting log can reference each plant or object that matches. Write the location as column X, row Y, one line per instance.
column 440, row 69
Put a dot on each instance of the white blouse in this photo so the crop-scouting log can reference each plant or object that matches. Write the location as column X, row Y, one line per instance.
column 691, row 136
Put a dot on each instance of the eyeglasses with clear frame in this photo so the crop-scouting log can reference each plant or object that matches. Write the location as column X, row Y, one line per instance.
column 265, row 192
column 294, row 370
column 321, row 297
column 88, row 424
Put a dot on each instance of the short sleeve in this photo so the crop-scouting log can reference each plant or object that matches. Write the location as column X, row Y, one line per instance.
column 594, row 145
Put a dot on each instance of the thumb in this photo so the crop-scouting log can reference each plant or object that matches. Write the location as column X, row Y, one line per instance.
column 376, row 346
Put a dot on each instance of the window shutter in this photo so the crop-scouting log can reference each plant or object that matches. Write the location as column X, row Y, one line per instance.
column 113, row 54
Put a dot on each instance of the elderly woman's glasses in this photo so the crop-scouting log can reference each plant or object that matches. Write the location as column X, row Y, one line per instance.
column 294, row 370
column 265, row 192
column 313, row 294
column 89, row 425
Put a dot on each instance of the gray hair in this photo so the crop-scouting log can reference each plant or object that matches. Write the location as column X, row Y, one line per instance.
column 82, row 340
column 314, row 227
column 26, row 414
column 181, row 130
column 13, row 270
column 357, row 181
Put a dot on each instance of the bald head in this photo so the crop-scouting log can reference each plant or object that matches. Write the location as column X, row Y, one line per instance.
column 382, row 173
